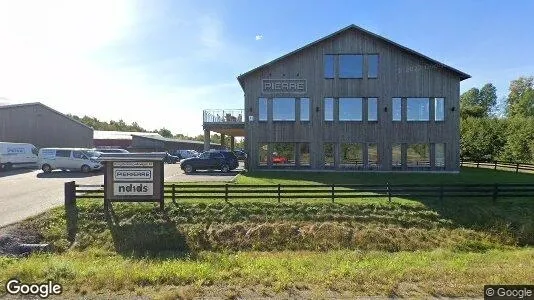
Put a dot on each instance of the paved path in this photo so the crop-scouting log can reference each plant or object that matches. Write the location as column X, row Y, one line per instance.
column 25, row 193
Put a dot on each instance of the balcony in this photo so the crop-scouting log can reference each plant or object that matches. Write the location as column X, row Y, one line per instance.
column 223, row 116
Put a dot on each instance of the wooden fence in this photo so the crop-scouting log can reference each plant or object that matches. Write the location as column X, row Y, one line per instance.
column 499, row 164
column 278, row 192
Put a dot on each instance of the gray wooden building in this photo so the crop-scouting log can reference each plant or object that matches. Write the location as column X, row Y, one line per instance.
column 42, row 126
column 352, row 100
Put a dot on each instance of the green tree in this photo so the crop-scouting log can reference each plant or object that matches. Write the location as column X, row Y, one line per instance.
column 482, row 138
column 519, row 145
column 521, row 97
column 164, row 132
column 478, row 103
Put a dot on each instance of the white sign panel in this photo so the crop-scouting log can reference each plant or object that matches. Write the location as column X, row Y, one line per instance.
column 133, row 189
column 133, row 164
column 133, row 174
column 287, row 86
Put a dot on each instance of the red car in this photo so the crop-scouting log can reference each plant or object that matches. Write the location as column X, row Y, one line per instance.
column 279, row 159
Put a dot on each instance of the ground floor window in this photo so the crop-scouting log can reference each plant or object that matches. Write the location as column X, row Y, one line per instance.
column 396, row 156
column 329, row 157
column 283, row 154
column 351, row 155
column 263, row 154
column 439, row 155
column 373, row 160
column 304, row 154
column 418, row 156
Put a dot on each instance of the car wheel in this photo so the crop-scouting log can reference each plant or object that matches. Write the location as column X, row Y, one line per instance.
column 188, row 169
column 8, row 166
column 225, row 168
column 46, row 168
column 86, row 169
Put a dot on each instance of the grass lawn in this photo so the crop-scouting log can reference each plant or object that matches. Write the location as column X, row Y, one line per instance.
column 305, row 248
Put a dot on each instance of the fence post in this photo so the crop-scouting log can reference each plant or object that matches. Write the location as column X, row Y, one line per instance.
column 70, row 193
column 388, row 188
column 441, row 193
column 461, row 163
column 495, row 166
column 279, row 193
column 495, row 192
column 174, row 193
column 333, row 193
column 478, row 163
column 517, row 167
column 226, row 192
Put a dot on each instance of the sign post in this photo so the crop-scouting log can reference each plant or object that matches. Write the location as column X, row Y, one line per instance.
column 133, row 177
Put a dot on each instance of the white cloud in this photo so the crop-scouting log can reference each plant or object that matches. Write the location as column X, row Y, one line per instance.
column 259, row 37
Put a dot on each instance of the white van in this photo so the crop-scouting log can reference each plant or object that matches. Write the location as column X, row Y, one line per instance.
column 17, row 155
column 73, row 159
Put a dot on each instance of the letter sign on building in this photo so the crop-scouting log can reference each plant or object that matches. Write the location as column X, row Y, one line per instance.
column 284, row 86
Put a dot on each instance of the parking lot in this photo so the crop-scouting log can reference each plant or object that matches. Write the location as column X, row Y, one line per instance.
column 25, row 192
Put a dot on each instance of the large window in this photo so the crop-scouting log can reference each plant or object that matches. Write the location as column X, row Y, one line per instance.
column 372, row 155
column 350, row 66
column 439, row 155
column 351, row 155
column 304, row 154
column 62, row 153
column 329, row 109
column 396, row 156
column 283, row 154
column 263, row 154
column 439, row 109
column 329, row 66
column 283, row 109
column 372, row 109
column 304, row 109
column 417, row 109
column 350, row 109
column 329, row 155
column 418, row 155
column 396, row 109
column 372, row 63
column 262, row 109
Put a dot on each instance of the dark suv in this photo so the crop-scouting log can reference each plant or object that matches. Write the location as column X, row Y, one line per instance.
column 210, row 160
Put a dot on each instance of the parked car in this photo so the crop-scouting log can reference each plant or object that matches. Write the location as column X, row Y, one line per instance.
column 216, row 159
column 171, row 159
column 241, row 155
column 73, row 159
column 183, row 154
column 108, row 150
column 279, row 159
column 17, row 155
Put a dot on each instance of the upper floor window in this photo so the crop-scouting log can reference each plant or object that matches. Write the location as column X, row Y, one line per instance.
column 350, row 109
column 283, row 109
column 417, row 109
column 329, row 109
column 329, row 66
column 350, row 66
column 304, row 109
column 262, row 109
column 372, row 109
column 397, row 109
column 439, row 109
column 372, row 66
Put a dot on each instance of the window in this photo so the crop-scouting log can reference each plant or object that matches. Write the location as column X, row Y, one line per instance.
column 350, row 109
column 283, row 154
column 35, row 151
column 283, row 109
column 417, row 109
column 372, row 109
column 396, row 156
column 439, row 155
column 418, row 155
column 62, row 153
column 304, row 154
column 77, row 154
column 304, row 109
column 350, row 66
column 204, row 155
column 372, row 66
column 263, row 154
column 372, row 155
column 262, row 109
column 329, row 109
column 329, row 157
column 216, row 155
column 328, row 66
column 351, row 155
column 439, row 109
column 397, row 109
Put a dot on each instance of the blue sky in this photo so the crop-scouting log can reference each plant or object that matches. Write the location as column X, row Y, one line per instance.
column 161, row 62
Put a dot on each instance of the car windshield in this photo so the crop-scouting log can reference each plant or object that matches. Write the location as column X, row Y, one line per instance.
column 92, row 153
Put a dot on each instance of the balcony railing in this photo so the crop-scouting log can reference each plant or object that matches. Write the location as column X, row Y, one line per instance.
column 223, row 116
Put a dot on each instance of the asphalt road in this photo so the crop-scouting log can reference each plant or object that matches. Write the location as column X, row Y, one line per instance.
column 25, row 193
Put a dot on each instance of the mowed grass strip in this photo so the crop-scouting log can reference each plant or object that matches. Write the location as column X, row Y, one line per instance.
column 433, row 273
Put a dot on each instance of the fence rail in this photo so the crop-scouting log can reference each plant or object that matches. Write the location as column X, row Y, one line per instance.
column 278, row 192
column 499, row 164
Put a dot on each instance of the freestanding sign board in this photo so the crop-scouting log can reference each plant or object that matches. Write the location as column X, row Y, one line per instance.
column 133, row 177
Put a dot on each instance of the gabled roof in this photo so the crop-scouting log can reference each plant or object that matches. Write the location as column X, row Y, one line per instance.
column 462, row 75
column 119, row 135
column 164, row 139
column 8, row 106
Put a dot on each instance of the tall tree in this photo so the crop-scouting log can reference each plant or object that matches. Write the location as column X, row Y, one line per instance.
column 521, row 97
column 478, row 103
column 164, row 132
column 487, row 98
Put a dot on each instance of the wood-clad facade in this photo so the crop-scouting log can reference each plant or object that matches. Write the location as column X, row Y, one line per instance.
column 402, row 73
